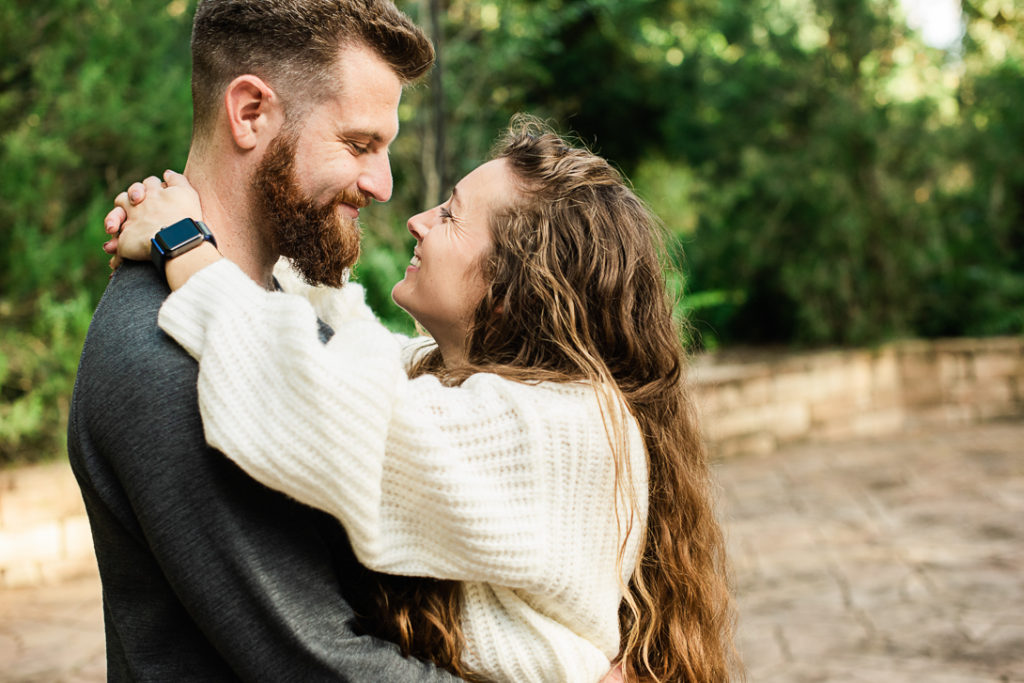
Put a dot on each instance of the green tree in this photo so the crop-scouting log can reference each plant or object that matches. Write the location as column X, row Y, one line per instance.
column 92, row 95
column 811, row 162
column 825, row 178
column 981, row 190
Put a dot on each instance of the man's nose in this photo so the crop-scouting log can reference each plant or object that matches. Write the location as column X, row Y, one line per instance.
column 375, row 180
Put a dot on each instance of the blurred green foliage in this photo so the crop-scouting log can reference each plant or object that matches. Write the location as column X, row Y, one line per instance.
column 824, row 177
column 91, row 95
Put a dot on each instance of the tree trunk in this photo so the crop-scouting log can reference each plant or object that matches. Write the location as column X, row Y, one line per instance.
column 433, row 153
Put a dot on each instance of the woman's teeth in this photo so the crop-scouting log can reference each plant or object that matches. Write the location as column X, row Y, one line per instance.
column 414, row 261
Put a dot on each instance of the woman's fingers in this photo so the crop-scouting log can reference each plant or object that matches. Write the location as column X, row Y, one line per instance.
column 113, row 221
column 152, row 183
column 137, row 192
column 173, row 178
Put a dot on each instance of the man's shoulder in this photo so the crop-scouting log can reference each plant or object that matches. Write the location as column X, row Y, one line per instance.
column 131, row 300
column 124, row 343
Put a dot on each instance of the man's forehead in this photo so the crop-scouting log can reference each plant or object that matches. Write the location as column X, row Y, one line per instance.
column 365, row 104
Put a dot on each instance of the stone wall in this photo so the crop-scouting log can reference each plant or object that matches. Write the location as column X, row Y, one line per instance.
column 763, row 402
column 749, row 405
column 44, row 532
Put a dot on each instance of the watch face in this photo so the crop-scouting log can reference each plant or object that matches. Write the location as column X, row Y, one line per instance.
column 179, row 234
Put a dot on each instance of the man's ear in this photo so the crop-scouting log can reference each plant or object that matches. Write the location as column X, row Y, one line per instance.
column 254, row 111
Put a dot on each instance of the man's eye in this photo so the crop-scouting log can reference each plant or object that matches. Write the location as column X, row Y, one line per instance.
column 358, row 149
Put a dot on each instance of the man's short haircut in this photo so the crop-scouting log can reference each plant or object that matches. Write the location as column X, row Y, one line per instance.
column 292, row 44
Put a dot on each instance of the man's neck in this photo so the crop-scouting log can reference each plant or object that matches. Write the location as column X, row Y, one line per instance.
column 224, row 196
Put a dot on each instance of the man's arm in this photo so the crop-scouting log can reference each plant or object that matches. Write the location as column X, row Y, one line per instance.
column 251, row 567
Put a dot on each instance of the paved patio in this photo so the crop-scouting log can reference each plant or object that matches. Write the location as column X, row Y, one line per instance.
column 892, row 560
column 889, row 560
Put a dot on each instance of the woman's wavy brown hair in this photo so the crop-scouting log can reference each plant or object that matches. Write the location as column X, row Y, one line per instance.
column 577, row 292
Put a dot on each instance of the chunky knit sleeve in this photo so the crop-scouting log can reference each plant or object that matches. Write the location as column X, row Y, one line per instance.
column 452, row 482
column 337, row 305
column 331, row 304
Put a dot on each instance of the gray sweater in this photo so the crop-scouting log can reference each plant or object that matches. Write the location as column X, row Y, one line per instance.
column 207, row 574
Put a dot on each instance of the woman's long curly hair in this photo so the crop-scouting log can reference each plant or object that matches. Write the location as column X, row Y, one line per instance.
column 578, row 287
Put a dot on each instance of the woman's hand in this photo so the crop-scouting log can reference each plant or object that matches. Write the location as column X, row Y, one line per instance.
column 145, row 208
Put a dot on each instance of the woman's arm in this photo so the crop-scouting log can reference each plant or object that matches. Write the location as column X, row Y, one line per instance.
column 428, row 480
column 180, row 268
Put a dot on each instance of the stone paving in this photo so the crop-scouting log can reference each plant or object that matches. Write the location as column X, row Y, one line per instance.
column 53, row 634
column 892, row 560
column 886, row 560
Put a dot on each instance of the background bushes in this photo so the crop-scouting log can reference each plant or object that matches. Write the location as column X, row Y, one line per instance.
column 824, row 177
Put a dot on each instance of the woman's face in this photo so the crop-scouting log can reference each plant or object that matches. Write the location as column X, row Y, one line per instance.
column 443, row 283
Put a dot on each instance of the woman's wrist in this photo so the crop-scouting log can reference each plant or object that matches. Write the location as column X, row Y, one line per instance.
column 180, row 268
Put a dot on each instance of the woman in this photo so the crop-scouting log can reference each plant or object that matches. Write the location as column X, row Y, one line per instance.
column 540, row 457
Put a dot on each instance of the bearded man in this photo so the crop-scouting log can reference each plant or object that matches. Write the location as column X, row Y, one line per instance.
column 208, row 575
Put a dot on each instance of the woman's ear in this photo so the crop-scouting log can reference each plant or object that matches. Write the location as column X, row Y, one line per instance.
column 254, row 111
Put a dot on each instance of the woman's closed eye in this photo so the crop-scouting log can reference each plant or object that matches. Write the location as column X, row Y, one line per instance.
column 452, row 223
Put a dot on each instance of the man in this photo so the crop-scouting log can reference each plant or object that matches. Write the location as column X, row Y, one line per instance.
column 207, row 574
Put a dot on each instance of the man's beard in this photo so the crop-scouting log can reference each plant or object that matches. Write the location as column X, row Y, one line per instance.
column 321, row 243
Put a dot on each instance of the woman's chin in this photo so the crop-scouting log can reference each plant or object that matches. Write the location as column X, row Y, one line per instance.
column 399, row 296
column 396, row 292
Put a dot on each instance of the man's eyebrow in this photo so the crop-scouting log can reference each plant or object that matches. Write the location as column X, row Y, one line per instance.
column 373, row 136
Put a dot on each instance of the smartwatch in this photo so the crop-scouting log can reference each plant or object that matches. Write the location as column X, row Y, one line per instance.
column 176, row 239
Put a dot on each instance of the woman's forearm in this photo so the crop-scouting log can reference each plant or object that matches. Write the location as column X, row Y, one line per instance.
column 341, row 428
column 180, row 268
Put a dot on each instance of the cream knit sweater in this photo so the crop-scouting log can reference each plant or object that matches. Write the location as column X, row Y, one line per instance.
column 507, row 487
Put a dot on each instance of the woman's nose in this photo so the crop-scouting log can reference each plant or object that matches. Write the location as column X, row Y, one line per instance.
column 418, row 225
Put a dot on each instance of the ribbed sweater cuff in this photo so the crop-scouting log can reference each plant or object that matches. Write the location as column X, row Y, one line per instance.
column 187, row 312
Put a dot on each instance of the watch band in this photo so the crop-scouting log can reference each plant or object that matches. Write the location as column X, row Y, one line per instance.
column 176, row 239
